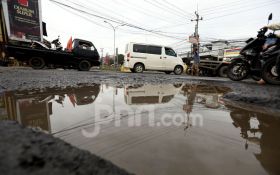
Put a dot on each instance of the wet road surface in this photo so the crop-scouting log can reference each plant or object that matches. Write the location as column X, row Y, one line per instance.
column 180, row 128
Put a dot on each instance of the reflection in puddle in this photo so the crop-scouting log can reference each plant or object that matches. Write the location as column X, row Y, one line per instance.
column 262, row 130
column 230, row 140
column 150, row 94
column 34, row 108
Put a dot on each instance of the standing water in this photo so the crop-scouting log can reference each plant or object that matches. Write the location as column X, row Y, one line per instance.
column 155, row 129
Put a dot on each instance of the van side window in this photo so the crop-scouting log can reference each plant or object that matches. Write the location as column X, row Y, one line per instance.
column 170, row 52
column 154, row 50
column 139, row 48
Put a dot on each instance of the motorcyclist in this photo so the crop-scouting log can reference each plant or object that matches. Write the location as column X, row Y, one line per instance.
column 270, row 41
column 276, row 27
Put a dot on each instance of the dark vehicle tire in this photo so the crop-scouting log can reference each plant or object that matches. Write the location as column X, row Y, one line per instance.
column 178, row 70
column 37, row 63
column 132, row 70
column 200, row 73
column 238, row 70
column 167, row 72
column 205, row 73
column 223, row 71
column 177, row 85
column 269, row 73
column 84, row 65
column 139, row 68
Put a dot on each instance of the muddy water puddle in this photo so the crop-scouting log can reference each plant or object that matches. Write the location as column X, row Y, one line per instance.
column 155, row 129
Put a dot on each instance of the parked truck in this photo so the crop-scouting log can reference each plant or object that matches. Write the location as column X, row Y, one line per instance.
column 21, row 38
column 218, row 65
column 214, row 64
column 83, row 56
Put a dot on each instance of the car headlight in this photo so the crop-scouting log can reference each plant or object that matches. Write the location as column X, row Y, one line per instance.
column 226, row 60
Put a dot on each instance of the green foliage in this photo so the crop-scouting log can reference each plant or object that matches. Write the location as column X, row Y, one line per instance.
column 120, row 59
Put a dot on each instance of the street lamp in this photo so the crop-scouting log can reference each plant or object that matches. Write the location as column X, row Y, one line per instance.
column 114, row 29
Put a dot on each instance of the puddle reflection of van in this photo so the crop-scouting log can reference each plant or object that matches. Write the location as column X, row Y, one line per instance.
column 141, row 57
column 150, row 94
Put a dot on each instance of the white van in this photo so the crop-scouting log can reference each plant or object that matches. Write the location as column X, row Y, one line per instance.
column 141, row 57
column 151, row 94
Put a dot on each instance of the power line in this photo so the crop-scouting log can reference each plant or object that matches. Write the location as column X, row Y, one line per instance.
column 167, row 9
column 180, row 43
column 170, row 33
column 104, row 8
column 236, row 8
column 80, row 5
column 115, row 21
column 221, row 5
column 180, row 11
column 241, row 11
column 176, row 7
column 144, row 11
column 85, row 12
column 98, row 24
column 171, row 26
column 111, row 11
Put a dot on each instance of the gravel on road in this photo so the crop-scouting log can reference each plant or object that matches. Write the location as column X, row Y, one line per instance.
column 26, row 79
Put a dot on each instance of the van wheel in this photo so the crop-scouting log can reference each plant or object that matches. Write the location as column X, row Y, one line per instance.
column 178, row 70
column 223, row 71
column 168, row 72
column 139, row 68
column 37, row 63
column 177, row 85
column 84, row 65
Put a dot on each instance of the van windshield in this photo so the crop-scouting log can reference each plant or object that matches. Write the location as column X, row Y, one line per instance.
column 170, row 52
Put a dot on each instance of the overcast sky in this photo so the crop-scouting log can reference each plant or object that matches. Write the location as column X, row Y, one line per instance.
column 222, row 19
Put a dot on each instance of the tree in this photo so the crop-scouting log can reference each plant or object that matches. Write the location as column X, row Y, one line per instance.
column 120, row 59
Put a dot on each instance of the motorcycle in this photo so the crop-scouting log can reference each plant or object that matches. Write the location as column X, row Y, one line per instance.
column 47, row 45
column 57, row 44
column 271, row 69
column 252, row 60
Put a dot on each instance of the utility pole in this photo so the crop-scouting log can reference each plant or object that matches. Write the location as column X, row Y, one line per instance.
column 114, row 29
column 102, row 58
column 117, row 57
column 196, row 35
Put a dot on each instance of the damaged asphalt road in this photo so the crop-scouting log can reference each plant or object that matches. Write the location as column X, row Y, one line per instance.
column 248, row 91
column 53, row 156
column 33, row 152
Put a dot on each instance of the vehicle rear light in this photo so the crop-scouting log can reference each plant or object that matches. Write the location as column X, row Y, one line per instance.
column 126, row 91
column 128, row 56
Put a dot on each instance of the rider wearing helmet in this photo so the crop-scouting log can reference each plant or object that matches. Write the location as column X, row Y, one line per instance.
column 274, row 27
